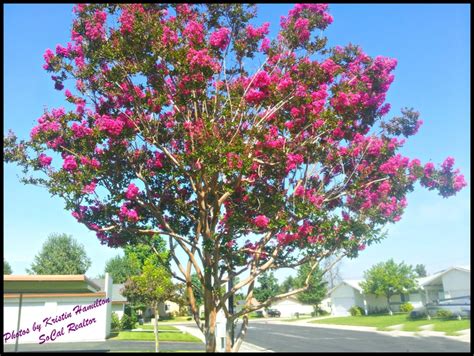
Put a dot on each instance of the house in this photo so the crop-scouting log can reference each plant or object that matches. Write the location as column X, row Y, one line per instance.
column 118, row 300
column 449, row 283
column 290, row 306
column 55, row 308
column 453, row 282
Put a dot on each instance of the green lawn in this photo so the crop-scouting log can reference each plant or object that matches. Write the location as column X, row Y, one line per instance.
column 176, row 319
column 160, row 327
column 382, row 322
column 149, row 336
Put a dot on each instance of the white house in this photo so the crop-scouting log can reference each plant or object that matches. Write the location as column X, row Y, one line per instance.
column 118, row 300
column 449, row 283
column 289, row 306
column 55, row 308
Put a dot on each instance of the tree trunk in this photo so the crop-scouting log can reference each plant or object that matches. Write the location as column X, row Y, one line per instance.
column 228, row 335
column 210, row 329
column 210, row 316
column 155, row 328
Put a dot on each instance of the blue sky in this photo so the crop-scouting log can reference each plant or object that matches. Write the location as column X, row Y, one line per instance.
column 431, row 44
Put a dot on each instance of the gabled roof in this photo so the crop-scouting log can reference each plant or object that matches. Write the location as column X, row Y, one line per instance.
column 423, row 281
column 354, row 283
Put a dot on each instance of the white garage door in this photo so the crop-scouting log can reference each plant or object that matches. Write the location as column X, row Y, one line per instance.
column 341, row 306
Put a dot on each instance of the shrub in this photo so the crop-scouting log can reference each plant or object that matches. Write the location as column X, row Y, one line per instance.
column 406, row 307
column 378, row 311
column 444, row 314
column 115, row 323
column 356, row 311
column 127, row 323
column 417, row 314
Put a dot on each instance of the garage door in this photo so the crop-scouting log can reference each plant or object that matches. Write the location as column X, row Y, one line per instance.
column 341, row 306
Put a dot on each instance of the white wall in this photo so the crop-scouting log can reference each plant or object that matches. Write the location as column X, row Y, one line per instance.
column 342, row 299
column 288, row 307
column 118, row 309
column 456, row 284
column 36, row 310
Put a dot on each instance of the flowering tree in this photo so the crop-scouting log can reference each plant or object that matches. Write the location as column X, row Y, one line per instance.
column 245, row 168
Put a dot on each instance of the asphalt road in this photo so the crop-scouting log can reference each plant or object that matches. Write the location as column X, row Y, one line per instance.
column 288, row 338
column 106, row 346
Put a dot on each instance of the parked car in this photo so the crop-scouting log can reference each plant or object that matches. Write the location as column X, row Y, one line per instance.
column 273, row 313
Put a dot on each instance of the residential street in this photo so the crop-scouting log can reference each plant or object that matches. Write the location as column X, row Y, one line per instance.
column 297, row 338
column 287, row 338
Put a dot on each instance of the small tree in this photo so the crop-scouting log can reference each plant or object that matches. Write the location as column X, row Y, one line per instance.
column 287, row 285
column 317, row 289
column 268, row 287
column 388, row 279
column 120, row 269
column 6, row 267
column 152, row 287
column 420, row 270
column 60, row 254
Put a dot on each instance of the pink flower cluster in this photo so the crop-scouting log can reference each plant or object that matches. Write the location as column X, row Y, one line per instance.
column 89, row 188
column 194, row 31
column 81, row 130
column 44, row 160
column 70, row 163
column 109, row 125
column 293, row 160
column 261, row 221
column 220, row 38
column 95, row 28
column 302, row 29
column 257, row 33
column 46, row 124
column 129, row 214
column 132, row 191
column 94, row 163
column 201, row 58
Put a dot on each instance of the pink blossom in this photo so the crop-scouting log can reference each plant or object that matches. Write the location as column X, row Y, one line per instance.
column 265, row 46
column 429, row 168
column 459, row 182
column 254, row 96
column 109, row 125
column 132, row 191
column 220, row 38
column 261, row 221
column 89, row 189
column 301, row 27
column 261, row 79
column 44, row 160
column 448, row 163
column 194, row 31
column 259, row 32
column 293, row 160
column 70, row 163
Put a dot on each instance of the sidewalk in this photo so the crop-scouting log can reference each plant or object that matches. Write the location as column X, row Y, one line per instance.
column 245, row 347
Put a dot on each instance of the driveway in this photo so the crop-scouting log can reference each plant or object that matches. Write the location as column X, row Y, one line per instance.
column 106, row 346
column 289, row 338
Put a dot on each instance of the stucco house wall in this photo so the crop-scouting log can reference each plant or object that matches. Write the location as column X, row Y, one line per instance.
column 456, row 283
column 288, row 307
